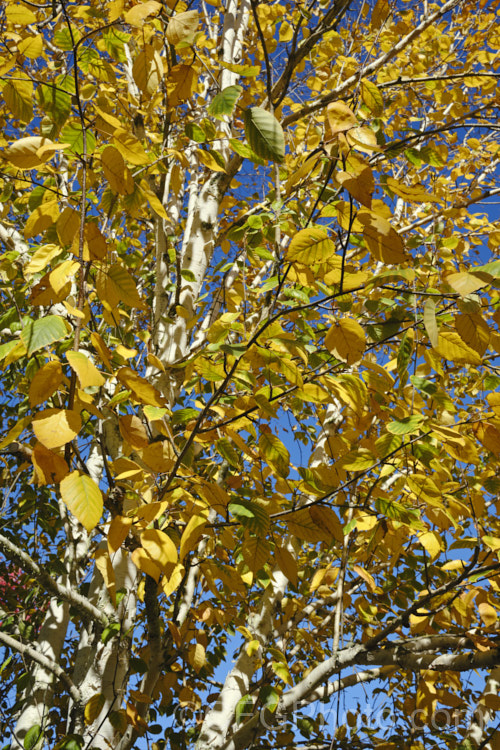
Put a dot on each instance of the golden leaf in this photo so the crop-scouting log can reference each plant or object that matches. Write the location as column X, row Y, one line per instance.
column 56, row 427
column 346, row 340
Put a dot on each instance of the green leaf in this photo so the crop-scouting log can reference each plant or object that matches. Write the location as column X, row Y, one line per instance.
column 73, row 134
column 264, row 134
column 223, row 103
column 184, row 415
column 251, row 515
column 269, row 697
column 243, row 708
column 83, row 497
column 246, row 152
column 226, row 450
column 372, row 97
column 32, row 736
column 94, row 707
column 406, row 426
column 430, row 321
column 64, row 40
column 39, row 333
column 275, row 453
column 398, row 512
column 245, row 71
column 404, row 354
column 55, row 102
column 195, row 133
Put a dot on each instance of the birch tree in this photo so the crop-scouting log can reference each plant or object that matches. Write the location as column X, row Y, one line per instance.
column 249, row 332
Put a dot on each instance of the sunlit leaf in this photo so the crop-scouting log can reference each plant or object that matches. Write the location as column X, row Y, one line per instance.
column 83, row 497
column 222, row 105
column 56, row 427
column 42, row 332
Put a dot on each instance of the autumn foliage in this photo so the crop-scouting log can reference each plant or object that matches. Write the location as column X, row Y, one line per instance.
column 249, row 277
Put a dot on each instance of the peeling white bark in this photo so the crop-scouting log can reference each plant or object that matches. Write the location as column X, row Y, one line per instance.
column 220, row 719
column 102, row 667
column 38, row 694
column 478, row 729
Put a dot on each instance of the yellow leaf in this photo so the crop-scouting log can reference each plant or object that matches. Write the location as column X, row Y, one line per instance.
column 192, row 534
column 339, row 118
column 116, row 171
column 208, row 159
column 130, row 147
column 15, row 431
column 255, row 552
column 372, row 97
column 41, row 218
column 310, row 246
column 83, row 497
column 115, row 284
column 136, row 15
column 327, row 519
column 182, row 27
column 432, row 543
column 142, row 390
column 465, row 283
column 103, row 564
column 366, row 576
column 41, row 258
column 45, row 383
column 275, row 453
column 287, row 564
column 24, row 152
column 382, row 240
column 346, row 340
column 56, row 427
column 158, row 456
column 180, row 84
column 31, row 46
column 133, row 431
column 125, row 469
column 197, row 656
column 363, row 139
column 171, row 582
column 67, row 225
column 412, row 193
column 63, row 273
column 380, row 14
column 18, row 96
column 160, row 548
column 94, row 707
column 473, row 329
column 488, row 435
column 359, row 184
column 451, row 346
column 101, row 349
column 487, row 613
column 430, row 322
column 88, row 374
column 143, row 561
column 153, row 200
column 301, row 525
column 312, row 393
column 147, row 69
column 49, row 467
column 118, row 532
column 19, row 15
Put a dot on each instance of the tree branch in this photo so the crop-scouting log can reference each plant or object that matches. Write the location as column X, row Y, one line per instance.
column 48, row 664
column 85, row 608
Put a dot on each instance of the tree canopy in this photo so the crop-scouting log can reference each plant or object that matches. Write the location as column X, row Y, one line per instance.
column 250, row 418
